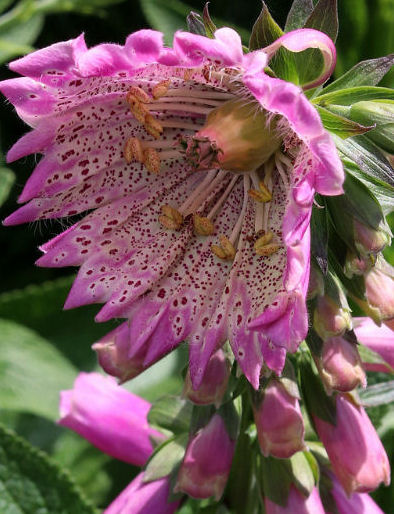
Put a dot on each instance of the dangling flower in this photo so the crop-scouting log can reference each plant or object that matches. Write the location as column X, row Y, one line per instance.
column 195, row 171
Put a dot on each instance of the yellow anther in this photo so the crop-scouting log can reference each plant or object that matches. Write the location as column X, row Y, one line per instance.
column 133, row 150
column 138, row 109
column 139, row 94
column 263, row 195
column 170, row 217
column 187, row 73
column 203, row 226
column 263, row 246
column 225, row 250
column 161, row 89
column 152, row 160
column 152, row 126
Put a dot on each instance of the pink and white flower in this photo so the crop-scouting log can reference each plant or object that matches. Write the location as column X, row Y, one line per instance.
column 195, row 172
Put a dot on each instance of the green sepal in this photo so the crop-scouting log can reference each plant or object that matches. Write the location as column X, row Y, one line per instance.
column 326, row 495
column 319, row 452
column 305, row 471
column 370, row 357
column 200, row 417
column 195, row 24
column 276, row 477
column 166, row 457
column 352, row 95
column 381, row 114
column 288, row 380
column 231, row 418
column 339, row 125
column 316, row 400
column 299, row 12
column 7, row 179
column 315, row 343
column 171, row 413
column 377, row 394
column 324, row 18
column 210, row 27
column 365, row 73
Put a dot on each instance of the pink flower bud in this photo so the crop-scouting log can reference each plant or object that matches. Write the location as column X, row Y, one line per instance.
column 330, row 319
column 144, row 498
column 113, row 352
column 297, row 503
column 111, row 418
column 377, row 339
column 278, row 418
column 357, row 456
column 379, row 283
column 357, row 265
column 369, row 240
column 207, row 462
column 214, row 383
column 340, row 366
column 357, row 503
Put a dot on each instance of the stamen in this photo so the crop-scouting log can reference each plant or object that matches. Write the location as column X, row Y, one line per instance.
column 282, row 171
column 203, row 226
column 181, row 125
column 223, row 198
column 136, row 92
column 198, row 199
column 161, row 89
column 138, row 110
column 263, row 195
column 237, row 228
column 194, row 100
column 267, row 250
column 176, row 106
column 133, row 150
column 199, row 93
column 152, row 126
column 170, row 218
column 211, row 174
column 152, row 160
column 225, row 250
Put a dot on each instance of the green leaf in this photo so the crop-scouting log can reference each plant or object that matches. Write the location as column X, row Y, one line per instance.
column 171, row 413
column 324, row 18
column 17, row 39
column 31, row 483
column 354, row 94
column 339, row 125
column 166, row 457
column 298, row 14
column 32, row 372
column 368, row 157
column 380, row 113
column 365, row 73
column 378, row 394
column 4, row 4
column 7, row 179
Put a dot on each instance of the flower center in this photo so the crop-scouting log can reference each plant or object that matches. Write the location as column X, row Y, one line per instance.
column 238, row 136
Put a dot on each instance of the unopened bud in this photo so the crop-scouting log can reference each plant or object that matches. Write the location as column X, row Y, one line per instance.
column 279, row 422
column 356, row 265
column 330, row 318
column 379, row 283
column 370, row 241
column 340, row 365
column 379, row 113
column 214, row 384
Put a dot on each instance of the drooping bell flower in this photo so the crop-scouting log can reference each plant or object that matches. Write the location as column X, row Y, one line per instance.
column 141, row 497
column 297, row 503
column 111, row 418
column 356, row 453
column 340, row 365
column 357, row 503
column 196, row 171
column 207, row 461
column 279, row 422
column 377, row 339
column 214, row 384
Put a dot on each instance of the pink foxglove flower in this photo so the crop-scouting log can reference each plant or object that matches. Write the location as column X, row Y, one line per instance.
column 195, row 171
column 111, row 418
column 297, row 503
column 378, row 339
column 144, row 498
column 356, row 453
column 207, row 462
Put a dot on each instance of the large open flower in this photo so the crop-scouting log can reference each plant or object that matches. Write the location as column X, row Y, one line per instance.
column 195, row 171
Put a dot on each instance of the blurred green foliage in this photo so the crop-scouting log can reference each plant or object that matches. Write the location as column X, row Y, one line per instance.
column 43, row 346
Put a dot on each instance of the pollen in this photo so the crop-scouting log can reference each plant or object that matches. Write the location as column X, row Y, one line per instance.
column 136, row 92
column 170, row 218
column 203, row 226
column 262, row 195
column 138, row 109
column 225, row 250
column 161, row 89
column 152, row 126
column 264, row 246
column 152, row 160
column 133, row 150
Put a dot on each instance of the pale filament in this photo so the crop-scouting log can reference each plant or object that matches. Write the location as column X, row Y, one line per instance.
column 180, row 124
column 237, row 229
column 259, row 207
column 223, row 198
column 198, row 199
column 268, row 167
column 211, row 174
column 177, row 107
column 195, row 100
column 282, row 171
column 199, row 93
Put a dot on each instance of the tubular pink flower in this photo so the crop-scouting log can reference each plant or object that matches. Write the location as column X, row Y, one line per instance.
column 279, row 423
column 297, row 503
column 190, row 231
column 356, row 453
column 357, row 503
column 378, row 339
column 111, row 418
column 144, row 498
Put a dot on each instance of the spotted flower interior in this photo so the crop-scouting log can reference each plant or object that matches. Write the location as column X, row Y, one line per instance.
column 194, row 173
